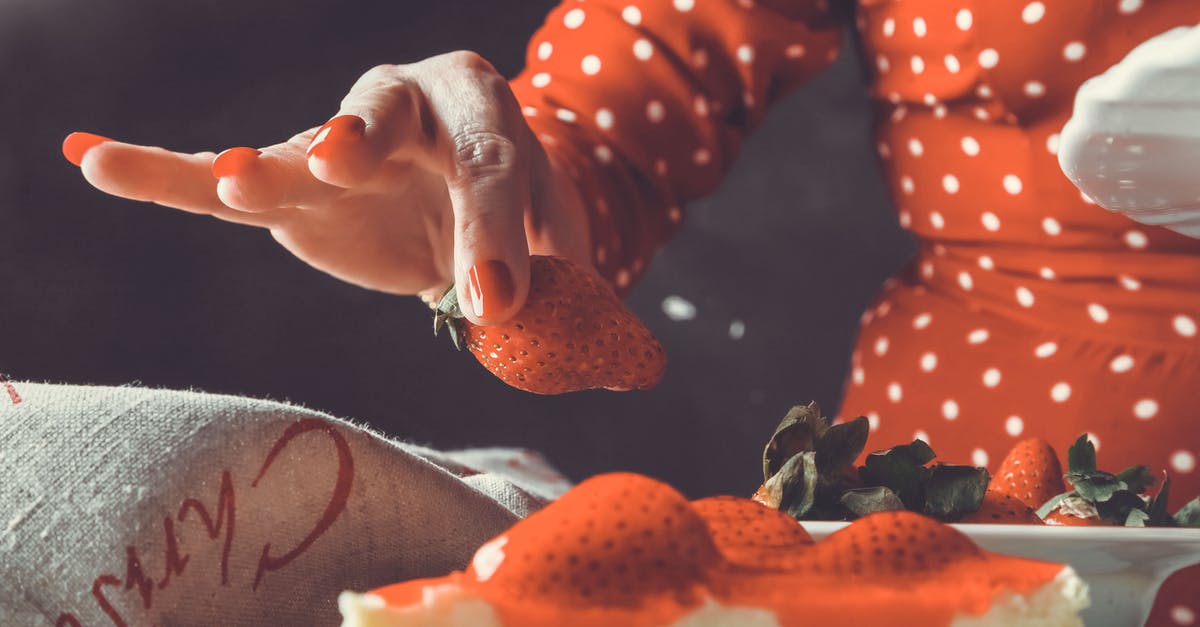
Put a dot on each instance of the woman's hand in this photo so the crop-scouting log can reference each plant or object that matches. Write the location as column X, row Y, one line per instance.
column 428, row 175
column 1133, row 143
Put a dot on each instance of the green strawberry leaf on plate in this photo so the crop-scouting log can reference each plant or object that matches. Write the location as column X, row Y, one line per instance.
column 1158, row 516
column 798, row 481
column 841, row 444
column 1081, row 457
column 1189, row 515
column 901, row 469
column 863, row 501
column 1136, row 478
column 798, row 432
column 952, row 491
column 1095, row 485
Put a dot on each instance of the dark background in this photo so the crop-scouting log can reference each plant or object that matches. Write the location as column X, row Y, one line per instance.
column 99, row 290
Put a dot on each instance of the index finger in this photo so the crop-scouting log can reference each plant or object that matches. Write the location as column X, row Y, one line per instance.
column 152, row 174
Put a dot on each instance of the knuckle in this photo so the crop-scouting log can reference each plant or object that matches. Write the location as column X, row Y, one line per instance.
column 396, row 93
column 389, row 93
column 468, row 59
column 380, row 72
column 481, row 152
column 378, row 75
column 496, row 89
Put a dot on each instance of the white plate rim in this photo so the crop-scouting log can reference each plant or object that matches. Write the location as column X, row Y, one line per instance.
column 822, row 528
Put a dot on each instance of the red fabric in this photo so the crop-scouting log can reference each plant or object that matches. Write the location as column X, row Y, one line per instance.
column 1028, row 311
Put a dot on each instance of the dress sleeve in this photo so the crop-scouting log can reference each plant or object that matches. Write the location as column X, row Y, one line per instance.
column 644, row 103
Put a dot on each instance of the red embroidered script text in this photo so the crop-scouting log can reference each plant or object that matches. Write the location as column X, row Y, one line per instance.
column 219, row 524
column 11, row 389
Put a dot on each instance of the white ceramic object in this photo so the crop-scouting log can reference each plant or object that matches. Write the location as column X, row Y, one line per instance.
column 1133, row 142
column 1123, row 567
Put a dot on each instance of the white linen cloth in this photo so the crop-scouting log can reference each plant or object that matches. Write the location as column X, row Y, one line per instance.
column 132, row 506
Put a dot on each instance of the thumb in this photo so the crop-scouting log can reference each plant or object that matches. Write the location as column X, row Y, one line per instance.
column 489, row 187
column 489, row 194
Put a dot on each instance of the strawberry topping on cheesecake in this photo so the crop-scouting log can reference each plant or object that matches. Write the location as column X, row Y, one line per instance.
column 623, row 549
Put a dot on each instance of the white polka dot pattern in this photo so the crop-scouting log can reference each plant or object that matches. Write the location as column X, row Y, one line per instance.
column 1005, row 327
column 574, row 18
column 643, row 49
column 1045, row 350
column 1060, row 392
column 963, row 19
column 632, row 15
column 1145, row 409
column 1183, row 462
column 590, row 65
column 604, row 119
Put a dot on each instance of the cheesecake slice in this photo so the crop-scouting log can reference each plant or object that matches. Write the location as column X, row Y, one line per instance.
column 623, row 549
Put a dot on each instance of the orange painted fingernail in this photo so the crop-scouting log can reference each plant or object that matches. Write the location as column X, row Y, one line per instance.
column 343, row 129
column 77, row 144
column 491, row 288
column 234, row 161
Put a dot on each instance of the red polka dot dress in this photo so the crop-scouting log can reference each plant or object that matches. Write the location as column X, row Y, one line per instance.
column 1027, row 311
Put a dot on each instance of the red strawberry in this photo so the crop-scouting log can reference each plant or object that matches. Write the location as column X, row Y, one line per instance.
column 752, row 535
column 622, row 549
column 1030, row 472
column 763, row 496
column 1061, row 519
column 999, row 508
column 612, row 540
column 891, row 544
column 1075, row 511
column 893, row 568
column 572, row 334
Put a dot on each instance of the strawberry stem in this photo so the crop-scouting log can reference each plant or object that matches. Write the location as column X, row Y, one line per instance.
column 449, row 314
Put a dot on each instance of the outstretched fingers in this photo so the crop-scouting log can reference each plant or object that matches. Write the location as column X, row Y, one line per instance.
column 272, row 178
column 172, row 179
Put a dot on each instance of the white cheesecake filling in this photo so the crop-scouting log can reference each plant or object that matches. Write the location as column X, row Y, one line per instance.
column 448, row 606
column 441, row 606
column 1056, row 604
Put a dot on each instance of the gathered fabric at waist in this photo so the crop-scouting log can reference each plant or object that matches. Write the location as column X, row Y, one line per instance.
column 1139, row 297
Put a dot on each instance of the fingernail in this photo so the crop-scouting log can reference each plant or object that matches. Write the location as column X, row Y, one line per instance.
column 491, row 288
column 343, row 129
column 234, row 161
column 77, row 144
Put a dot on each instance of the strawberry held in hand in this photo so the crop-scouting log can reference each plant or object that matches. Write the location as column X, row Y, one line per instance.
column 572, row 334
